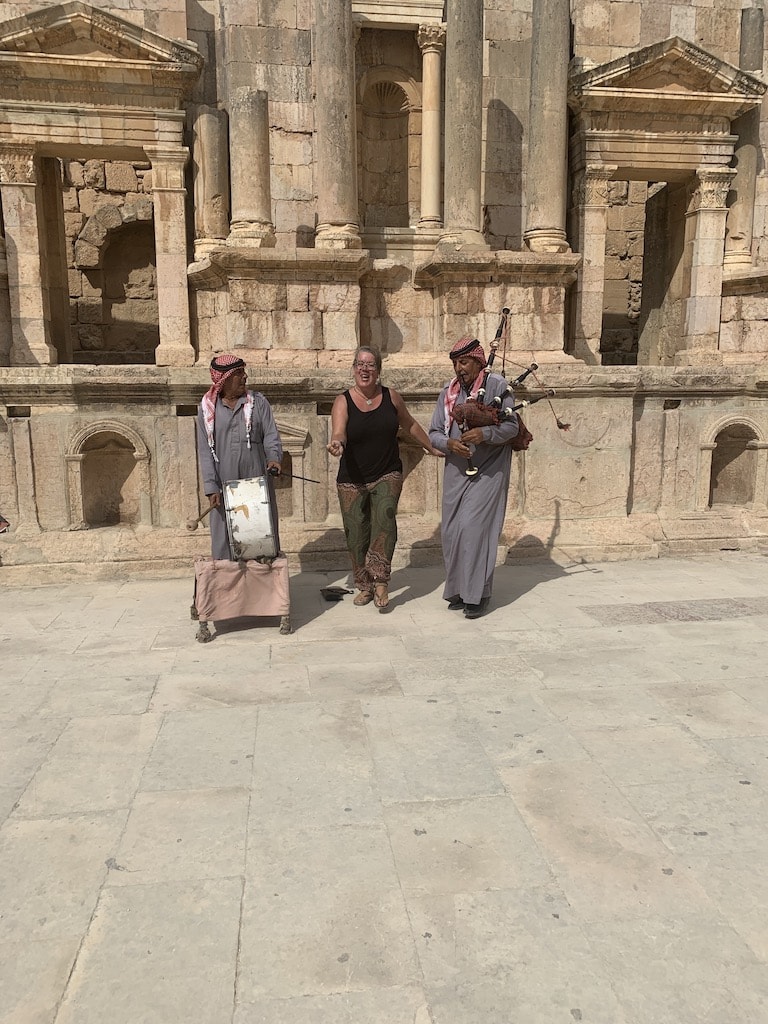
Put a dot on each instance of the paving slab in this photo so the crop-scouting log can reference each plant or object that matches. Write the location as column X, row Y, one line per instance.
column 555, row 813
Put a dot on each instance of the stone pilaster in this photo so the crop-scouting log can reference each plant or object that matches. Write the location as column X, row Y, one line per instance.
column 211, row 180
column 26, row 492
column 431, row 39
column 591, row 202
column 27, row 279
column 168, row 199
column 338, row 224
column 546, row 181
column 463, row 124
column 249, row 169
column 703, row 261
column 740, row 223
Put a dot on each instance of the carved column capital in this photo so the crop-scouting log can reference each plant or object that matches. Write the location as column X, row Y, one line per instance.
column 17, row 164
column 431, row 38
column 710, row 190
column 168, row 163
column 591, row 186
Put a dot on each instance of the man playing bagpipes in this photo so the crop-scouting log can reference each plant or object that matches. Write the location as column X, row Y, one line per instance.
column 477, row 438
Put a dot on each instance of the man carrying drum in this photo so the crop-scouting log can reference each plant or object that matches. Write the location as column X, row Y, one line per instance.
column 474, row 499
column 237, row 439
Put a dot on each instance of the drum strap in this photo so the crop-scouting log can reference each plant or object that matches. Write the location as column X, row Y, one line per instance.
column 209, row 419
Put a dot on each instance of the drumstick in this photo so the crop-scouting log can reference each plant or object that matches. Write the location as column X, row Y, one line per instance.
column 192, row 524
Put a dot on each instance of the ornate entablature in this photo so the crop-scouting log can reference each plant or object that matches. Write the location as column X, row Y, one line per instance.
column 397, row 13
column 73, row 54
column 660, row 112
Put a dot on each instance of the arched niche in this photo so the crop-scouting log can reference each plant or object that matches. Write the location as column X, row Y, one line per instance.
column 389, row 148
column 733, row 466
column 108, row 477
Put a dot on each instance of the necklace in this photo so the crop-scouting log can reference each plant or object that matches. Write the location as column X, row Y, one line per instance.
column 368, row 401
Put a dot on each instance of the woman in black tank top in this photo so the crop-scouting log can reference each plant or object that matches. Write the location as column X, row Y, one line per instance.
column 364, row 425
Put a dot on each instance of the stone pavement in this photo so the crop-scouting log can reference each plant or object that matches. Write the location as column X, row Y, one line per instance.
column 556, row 813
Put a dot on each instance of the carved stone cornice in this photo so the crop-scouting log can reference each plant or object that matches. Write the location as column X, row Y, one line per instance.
column 431, row 38
column 17, row 164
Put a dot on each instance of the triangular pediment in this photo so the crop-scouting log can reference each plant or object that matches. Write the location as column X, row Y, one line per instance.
column 76, row 29
column 674, row 67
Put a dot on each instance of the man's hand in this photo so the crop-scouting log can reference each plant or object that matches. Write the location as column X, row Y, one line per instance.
column 274, row 468
column 214, row 500
column 473, row 436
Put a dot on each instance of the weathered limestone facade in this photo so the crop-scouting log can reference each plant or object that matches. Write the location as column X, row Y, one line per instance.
column 292, row 178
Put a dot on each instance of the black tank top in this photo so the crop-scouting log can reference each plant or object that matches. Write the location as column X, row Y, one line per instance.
column 371, row 450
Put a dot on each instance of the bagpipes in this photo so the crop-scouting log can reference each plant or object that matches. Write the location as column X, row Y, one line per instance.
column 475, row 413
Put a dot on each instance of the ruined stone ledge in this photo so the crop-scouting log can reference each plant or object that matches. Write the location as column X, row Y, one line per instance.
column 484, row 267
column 231, row 260
column 746, row 282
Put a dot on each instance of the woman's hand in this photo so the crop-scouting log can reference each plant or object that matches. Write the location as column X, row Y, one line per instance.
column 435, row 451
column 335, row 448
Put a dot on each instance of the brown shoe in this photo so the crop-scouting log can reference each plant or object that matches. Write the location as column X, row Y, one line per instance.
column 363, row 598
column 381, row 596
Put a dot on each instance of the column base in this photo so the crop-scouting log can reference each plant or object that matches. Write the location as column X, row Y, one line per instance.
column 587, row 350
column 33, row 355
column 463, row 238
column 739, row 259
column 546, row 240
column 338, row 236
column 252, row 234
column 174, row 355
column 205, row 246
column 429, row 224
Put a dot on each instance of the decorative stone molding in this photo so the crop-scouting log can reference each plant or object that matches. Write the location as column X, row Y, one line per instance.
column 17, row 164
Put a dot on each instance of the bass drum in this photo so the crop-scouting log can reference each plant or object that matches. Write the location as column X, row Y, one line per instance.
column 250, row 522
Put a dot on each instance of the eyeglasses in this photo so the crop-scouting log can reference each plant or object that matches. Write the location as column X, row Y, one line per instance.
column 365, row 366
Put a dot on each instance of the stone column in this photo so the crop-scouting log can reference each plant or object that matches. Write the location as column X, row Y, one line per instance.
column 211, row 180
column 431, row 39
column 249, row 169
column 738, row 240
column 703, row 261
column 546, row 181
column 27, row 279
column 463, row 124
column 591, row 202
column 338, row 224
column 169, row 200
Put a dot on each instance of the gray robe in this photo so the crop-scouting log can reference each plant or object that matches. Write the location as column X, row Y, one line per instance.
column 236, row 460
column 473, row 507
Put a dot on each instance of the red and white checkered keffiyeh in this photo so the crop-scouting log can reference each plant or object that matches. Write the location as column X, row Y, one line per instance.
column 466, row 346
column 223, row 366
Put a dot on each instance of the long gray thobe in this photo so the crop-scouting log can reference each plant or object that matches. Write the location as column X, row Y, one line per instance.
column 473, row 507
column 236, row 460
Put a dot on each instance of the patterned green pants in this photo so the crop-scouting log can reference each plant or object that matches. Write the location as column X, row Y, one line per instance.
column 368, row 512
